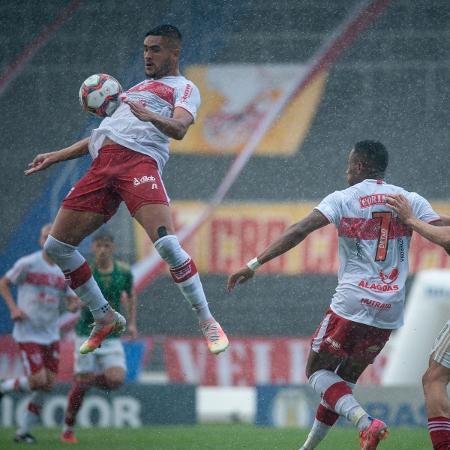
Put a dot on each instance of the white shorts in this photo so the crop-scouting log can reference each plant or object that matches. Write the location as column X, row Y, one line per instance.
column 110, row 354
column 441, row 347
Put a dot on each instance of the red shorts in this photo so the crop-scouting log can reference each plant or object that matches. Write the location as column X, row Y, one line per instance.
column 117, row 174
column 37, row 356
column 348, row 339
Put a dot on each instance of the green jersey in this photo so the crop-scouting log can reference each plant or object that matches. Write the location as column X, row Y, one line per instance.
column 112, row 285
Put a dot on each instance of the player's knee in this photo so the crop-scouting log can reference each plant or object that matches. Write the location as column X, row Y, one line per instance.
column 115, row 380
column 38, row 381
column 171, row 251
column 56, row 249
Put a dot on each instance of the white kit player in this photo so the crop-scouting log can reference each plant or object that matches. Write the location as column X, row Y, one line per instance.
column 130, row 149
column 41, row 289
column 369, row 299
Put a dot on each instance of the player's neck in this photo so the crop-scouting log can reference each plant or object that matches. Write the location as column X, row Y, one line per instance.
column 106, row 266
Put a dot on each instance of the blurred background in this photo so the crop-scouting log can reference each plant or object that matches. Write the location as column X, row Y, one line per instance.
column 330, row 73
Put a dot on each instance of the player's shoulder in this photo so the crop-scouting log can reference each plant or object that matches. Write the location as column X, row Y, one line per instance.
column 122, row 266
column 31, row 258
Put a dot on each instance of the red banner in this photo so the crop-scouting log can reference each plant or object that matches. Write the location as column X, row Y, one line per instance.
column 248, row 362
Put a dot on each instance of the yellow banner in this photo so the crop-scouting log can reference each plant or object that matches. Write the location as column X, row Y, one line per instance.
column 237, row 232
column 236, row 98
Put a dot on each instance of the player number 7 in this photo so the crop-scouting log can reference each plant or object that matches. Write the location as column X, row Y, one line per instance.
column 383, row 238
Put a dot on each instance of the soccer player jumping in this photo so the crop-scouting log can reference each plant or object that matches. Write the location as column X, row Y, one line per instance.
column 369, row 299
column 130, row 149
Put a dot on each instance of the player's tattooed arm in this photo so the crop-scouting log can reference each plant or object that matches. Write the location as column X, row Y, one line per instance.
column 295, row 234
column 174, row 127
column 45, row 160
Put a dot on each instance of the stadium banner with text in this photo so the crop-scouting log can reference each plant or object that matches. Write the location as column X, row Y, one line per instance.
column 238, row 231
column 295, row 406
column 235, row 100
column 249, row 361
column 132, row 406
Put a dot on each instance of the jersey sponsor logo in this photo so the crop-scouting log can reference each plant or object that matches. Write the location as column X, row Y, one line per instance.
column 389, row 278
column 187, row 92
column 375, row 304
column 378, row 287
column 46, row 279
column 144, row 179
column 372, row 199
column 161, row 90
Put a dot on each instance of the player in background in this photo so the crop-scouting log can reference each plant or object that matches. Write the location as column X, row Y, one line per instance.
column 130, row 149
column 369, row 299
column 436, row 378
column 106, row 367
column 41, row 288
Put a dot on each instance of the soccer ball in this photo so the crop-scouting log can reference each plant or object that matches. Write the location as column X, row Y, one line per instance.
column 100, row 94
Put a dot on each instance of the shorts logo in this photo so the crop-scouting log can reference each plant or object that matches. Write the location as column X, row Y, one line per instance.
column 36, row 358
column 145, row 179
column 336, row 345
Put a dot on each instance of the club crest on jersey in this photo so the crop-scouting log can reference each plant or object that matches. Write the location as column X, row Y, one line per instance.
column 390, row 278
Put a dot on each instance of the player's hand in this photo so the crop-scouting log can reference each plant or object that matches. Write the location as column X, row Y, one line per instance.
column 18, row 314
column 132, row 331
column 239, row 277
column 401, row 206
column 140, row 111
column 41, row 162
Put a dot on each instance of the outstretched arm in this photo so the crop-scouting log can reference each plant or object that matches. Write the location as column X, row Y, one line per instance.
column 174, row 127
column 289, row 239
column 45, row 160
column 440, row 235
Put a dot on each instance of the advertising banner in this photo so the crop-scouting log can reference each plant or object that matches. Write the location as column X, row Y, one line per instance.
column 131, row 406
column 235, row 100
column 248, row 362
column 239, row 231
column 295, row 406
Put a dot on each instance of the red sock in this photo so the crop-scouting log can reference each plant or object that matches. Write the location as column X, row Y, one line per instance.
column 439, row 429
column 335, row 392
column 326, row 416
column 76, row 396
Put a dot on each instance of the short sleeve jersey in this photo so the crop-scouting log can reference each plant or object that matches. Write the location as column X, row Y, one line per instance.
column 161, row 96
column 40, row 289
column 112, row 285
column 373, row 251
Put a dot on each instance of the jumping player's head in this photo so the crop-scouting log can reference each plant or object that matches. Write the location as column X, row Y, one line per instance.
column 103, row 247
column 368, row 159
column 43, row 235
column 162, row 47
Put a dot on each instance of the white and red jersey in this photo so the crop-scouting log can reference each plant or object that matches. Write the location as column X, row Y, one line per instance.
column 161, row 96
column 373, row 251
column 40, row 289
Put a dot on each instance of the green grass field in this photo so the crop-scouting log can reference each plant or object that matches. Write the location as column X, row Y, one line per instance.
column 213, row 437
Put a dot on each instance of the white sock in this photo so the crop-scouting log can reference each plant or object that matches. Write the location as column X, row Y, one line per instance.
column 32, row 413
column 318, row 432
column 69, row 259
column 347, row 405
column 19, row 384
column 184, row 274
column 91, row 295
